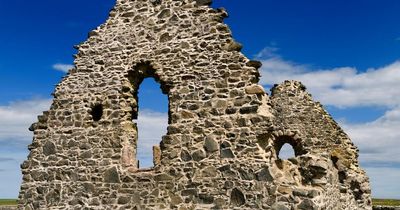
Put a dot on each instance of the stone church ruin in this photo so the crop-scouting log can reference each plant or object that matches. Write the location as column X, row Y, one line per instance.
column 221, row 148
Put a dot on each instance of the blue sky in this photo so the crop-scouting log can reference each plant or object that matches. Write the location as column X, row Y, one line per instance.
column 346, row 52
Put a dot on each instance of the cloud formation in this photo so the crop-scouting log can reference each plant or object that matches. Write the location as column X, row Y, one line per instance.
column 5, row 159
column 384, row 182
column 378, row 140
column 340, row 87
column 152, row 126
column 16, row 118
column 62, row 67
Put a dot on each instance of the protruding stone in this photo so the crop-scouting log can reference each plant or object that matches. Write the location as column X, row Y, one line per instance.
column 49, row 148
column 307, row 204
column 155, row 2
column 255, row 89
column 285, row 190
column 279, row 206
column 156, row 155
column 111, row 176
column 264, row 175
column 128, row 14
column 203, row 2
column 88, row 187
column 165, row 37
column 185, row 156
column 163, row 177
column 237, row 198
column 189, row 192
column 33, row 127
column 164, row 13
column 227, row 153
column 211, row 145
column 175, row 199
column 255, row 64
column 123, row 200
column 210, row 171
column 187, row 114
column 233, row 46
column 199, row 155
column 248, row 109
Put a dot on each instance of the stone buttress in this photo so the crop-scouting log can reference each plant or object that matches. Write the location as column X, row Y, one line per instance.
column 224, row 134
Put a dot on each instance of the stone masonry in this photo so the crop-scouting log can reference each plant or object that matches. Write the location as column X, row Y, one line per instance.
column 224, row 134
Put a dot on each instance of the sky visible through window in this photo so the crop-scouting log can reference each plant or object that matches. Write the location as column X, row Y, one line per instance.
column 152, row 120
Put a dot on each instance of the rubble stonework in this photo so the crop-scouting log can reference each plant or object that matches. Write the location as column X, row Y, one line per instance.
column 221, row 148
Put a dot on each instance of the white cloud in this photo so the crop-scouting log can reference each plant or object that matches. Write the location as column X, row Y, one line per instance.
column 384, row 182
column 269, row 51
column 340, row 87
column 378, row 140
column 62, row 67
column 152, row 126
column 16, row 118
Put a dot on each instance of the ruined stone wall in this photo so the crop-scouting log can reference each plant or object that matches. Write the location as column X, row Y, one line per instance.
column 224, row 134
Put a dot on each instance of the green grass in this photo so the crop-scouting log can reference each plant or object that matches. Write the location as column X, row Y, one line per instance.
column 385, row 202
column 7, row 202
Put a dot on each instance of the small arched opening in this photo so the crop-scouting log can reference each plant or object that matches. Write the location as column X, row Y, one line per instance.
column 286, row 152
column 287, row 147
column 97, row 112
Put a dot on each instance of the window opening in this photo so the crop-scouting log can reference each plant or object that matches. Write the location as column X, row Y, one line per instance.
column 97, row 112
column 287, row 147
column 341, row 174
column 152, row 120
column 286, row 152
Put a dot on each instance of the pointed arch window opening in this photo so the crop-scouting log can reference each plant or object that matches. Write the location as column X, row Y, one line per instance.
column 150, row 125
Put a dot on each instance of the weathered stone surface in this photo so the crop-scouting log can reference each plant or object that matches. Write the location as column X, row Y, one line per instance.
column 255, row 64
column 156, row 155
column 279, row 206
column 233, row 46
column 185, row 156
column 49, row 148
column 307, row 204
column 211, row 145
column 237, row 198
column 227, row 153
column 199, row 155
column 264, row 175
column 203, row 2
column 255, row 89
column 210, row 171
column 163, row 177
column 221, row 147
column 111, row 175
